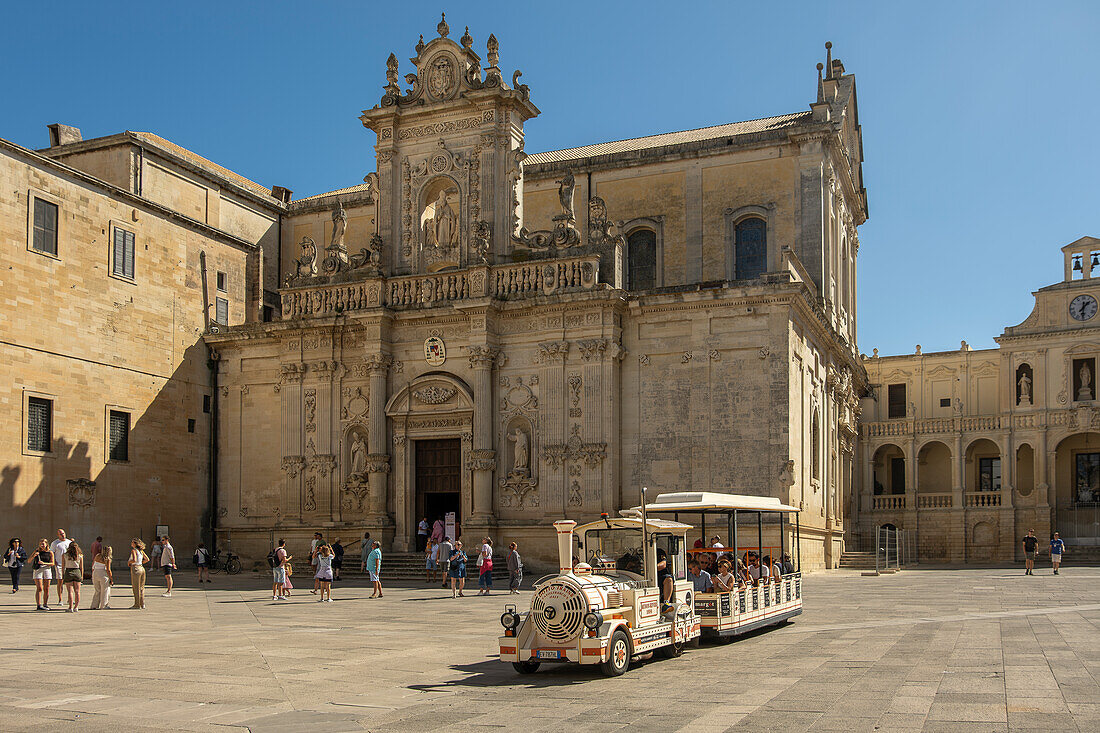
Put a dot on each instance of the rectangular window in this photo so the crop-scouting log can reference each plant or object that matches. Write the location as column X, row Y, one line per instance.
column 39, row 424
column 119, row 445
column 897, row 475
column 206, row 403
column 895, row 401
column 222, row 282
column 190, row 424
column 989, row 474
column 44, row 238
column 1087, row 489
column 945, row 402
column 122, row 254
column 221, row 311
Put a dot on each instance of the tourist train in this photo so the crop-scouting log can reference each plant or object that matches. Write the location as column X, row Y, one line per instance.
column 628, row 594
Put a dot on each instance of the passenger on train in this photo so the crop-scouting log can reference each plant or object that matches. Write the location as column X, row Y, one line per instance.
column 786, row 565
column 664, row 578
column 774, row 573
column 700, row 578
column 742, row 574
column 725, row 580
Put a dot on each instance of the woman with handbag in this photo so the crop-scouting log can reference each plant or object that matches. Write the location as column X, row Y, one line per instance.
column 14, row 560
column 457, row 570
column 42, row 563
column 72, row 574
column 102, row 578
column 137, row 561
column 485, row 567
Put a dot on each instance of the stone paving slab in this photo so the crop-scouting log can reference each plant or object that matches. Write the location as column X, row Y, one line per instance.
column 921, row 650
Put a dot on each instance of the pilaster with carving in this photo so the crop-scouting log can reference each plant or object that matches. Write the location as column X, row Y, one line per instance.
column 482, row 358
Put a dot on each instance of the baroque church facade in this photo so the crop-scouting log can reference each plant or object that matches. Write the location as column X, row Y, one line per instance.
column 507, row 336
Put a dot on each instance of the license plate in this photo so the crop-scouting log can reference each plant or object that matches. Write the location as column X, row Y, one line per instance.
column 549, row 654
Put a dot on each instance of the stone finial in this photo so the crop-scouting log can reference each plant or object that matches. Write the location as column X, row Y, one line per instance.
column 963, row 346
column 420, row 45
column 391, row 70
column 874, row 353
column 828, row 59
column 820, row 84
column 492, row 49
column 443, row 29
column 917, row 352
column 467, row 40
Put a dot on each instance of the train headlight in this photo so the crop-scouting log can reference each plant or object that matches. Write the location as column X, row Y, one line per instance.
column 509, row 619
column 592, row 620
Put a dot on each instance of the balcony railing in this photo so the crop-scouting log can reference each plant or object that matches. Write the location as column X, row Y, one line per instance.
column 502, row 282
column 934, row 501
column 888, row 501
column 983, row 498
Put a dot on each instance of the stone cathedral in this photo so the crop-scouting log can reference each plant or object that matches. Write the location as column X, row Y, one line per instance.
column 516, row 338
column 509, row 337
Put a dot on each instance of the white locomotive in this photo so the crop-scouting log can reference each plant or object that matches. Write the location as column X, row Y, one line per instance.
column 608, row 608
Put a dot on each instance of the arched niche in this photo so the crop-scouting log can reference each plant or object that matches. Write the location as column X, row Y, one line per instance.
column 436, row 392
column 439, row 224
column 354, row 450
column 519, row 437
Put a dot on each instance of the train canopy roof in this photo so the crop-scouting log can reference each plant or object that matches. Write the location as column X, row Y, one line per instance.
column 635, row 522
column 712, row 502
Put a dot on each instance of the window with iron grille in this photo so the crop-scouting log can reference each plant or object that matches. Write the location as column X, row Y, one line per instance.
column 122, row 254
column 44, row 237
column 641, row 254
column 119, row 439
column 895, row 401
column 750, row 248
column 221, row 311
column 39, row 424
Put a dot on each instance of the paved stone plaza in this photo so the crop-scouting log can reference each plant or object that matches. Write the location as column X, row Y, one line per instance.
column 975, row 649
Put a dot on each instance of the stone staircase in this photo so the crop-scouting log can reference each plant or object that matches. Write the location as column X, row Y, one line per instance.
column 410, row 566
column 857, row 561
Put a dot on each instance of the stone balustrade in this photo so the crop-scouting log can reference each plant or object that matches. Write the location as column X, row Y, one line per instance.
column 983, row 498
column 503, row 282
column 934, row 501
column 888, row 501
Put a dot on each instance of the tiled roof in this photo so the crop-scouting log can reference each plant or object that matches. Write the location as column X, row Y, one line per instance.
column 766, row 124
column 198, row 160
column 337, row 192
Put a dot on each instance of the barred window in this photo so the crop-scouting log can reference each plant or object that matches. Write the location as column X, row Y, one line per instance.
column 122, row 256
column 119, row 439
column 221, row 311
column 39, row 424
column 750, row 248
column 44, row 238
column 641, row 254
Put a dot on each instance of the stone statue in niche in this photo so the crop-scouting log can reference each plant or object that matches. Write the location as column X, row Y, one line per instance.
column 1025, row 389
column 339, row 227
column 520, row 454
column 357, row 456
column 441, row 230
column 1085, row 375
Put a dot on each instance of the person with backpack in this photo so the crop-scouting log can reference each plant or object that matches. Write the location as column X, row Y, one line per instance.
column 337, row 559
column 457, row 569
column 202, row 562
column 277, row 559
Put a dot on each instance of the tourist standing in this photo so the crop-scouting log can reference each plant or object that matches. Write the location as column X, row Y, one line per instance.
column 14, row 559
column 155, row 551
column 96, row 547
column 137, row 561
column 364, row 550
column 515, row 568
column 422, row 534
column 485, row 567
column 278, row 571
column 58, row 548
column 456, row 570
column 202, row 562
column 314, row 549
column 1057, row 549
column 323, row 576
column 438, row 530
column 337, row 559
column 43, row 564
column 443, row 557
column 1031, row 549
column 102, row 577
column 431, row 552
column 167, row 563
column 72, row 566
column 374, row 567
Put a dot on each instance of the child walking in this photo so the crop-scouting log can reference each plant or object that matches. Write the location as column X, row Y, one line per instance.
column 325, row 557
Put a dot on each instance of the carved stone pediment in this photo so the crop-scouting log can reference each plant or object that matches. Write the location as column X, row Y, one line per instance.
column 434, row 394
column 518, row 491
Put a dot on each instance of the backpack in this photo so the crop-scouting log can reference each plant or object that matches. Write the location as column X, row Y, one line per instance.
column 272, row 560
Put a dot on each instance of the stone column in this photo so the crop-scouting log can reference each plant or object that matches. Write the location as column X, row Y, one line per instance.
column 378, row 460
column 482, row 456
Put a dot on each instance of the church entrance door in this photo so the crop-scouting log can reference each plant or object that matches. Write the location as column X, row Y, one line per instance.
column 438, row 480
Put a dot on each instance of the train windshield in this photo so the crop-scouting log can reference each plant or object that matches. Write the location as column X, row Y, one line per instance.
column 617, row 548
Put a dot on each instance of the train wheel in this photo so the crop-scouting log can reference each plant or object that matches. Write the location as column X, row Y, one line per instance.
column 618, row 660
column 526, row 667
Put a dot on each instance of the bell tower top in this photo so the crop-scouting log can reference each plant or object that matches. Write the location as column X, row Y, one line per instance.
column 1082, row 259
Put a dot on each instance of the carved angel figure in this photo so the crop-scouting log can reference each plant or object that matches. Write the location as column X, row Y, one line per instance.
column 519, row 460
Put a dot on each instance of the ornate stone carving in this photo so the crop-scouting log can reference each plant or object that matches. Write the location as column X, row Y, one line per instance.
column 519, row 396
column 576, row 498
column 686, row 357
column 293, row 465
column 323, row 464
column 356, row 490
column 643, row 359
column 786, row 475
column 764, row 352
column 574, row 390
column 311, row 410
column 467, row 439
column 81, row 492
column 552, row 351
column 593, row 453
column 482, row 357
column 357, row 454
column 482, row 459
column 564, row 233
column 376, row 363
column 356, row 405
column 305, row 266
column 399, row 440
column 310, row 503
column 479, row 242
column 435, row 394
column 518, row 491
column 521, row 451
column 593, row 349
column 600, row 228
column 378, row 463
column 553, row 455
column 714, row 355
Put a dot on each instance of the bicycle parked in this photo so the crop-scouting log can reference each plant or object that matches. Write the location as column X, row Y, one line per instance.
column 231, row 564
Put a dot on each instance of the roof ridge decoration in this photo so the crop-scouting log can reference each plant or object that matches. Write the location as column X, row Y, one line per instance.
column 445, row 69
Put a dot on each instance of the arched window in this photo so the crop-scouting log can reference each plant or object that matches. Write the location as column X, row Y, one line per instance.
column 641, row 259
column 750, row 248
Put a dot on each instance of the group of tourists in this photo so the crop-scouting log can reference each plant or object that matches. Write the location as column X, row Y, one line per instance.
column 1031, row 552
column 326, row 561
column 63, row 561
column 722, row 572
column 447, row 561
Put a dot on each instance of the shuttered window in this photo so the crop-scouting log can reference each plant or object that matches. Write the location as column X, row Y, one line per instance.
column 119, row 439
column 44, row 237
column 122, row 255
column 39, row 424
column 221, row 311
column 895, row 401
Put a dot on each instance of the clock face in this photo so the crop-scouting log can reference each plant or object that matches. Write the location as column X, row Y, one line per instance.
column 1083, row 307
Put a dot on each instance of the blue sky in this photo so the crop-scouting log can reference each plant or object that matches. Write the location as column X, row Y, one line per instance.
column 979, row 118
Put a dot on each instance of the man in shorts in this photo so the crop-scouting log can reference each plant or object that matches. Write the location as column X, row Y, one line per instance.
column 1031, row 549
column 58, row 548
column 167, row 563
column 278, row 573
column 1057, row 548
